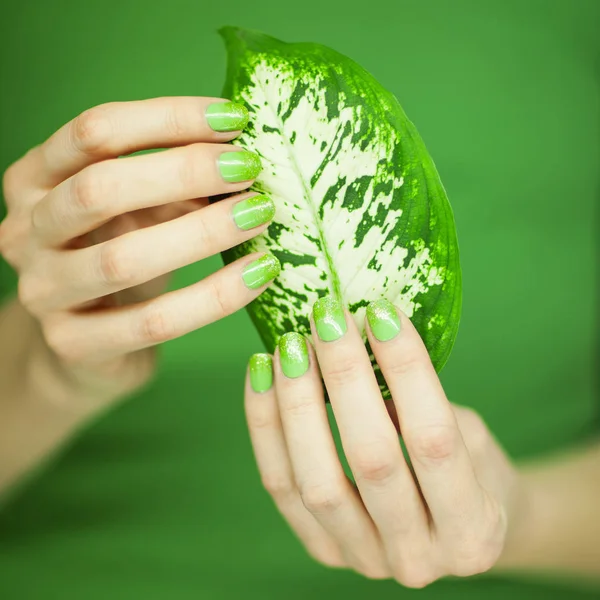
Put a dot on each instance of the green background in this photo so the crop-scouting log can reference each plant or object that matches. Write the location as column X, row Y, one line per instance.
column 160, row 498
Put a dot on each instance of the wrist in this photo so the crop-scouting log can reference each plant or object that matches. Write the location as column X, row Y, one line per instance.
column 555, row 526
column 43, row 402
column 525, row 506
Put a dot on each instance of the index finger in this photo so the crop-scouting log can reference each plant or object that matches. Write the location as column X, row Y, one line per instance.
column 116, row 128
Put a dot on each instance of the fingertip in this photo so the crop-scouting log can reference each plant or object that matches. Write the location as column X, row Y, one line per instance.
column 225, row 116
column 383, row 319
column 260, row 372
column 261, row 272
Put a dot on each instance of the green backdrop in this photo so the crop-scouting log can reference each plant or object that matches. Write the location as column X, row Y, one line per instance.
column 160, row 498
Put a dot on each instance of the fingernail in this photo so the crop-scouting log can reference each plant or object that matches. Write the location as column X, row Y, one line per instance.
column 240, row 165
column 330, row 320
column 383, row 319
column 261, row 271
column 261, row 372
column 227, row 116
column 252, row 212
column 293, row 354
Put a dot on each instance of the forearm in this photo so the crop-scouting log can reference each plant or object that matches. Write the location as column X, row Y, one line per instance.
column 41, row 405
column 558, row 524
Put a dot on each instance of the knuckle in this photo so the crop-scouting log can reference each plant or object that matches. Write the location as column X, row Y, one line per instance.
column 3, row 238
column 297, row 405
column 13, row 232
column 28, row 291
column 11, row 180
column 221, row 301
column 415, row 563
column 114, row 265
column 375, row 462
column 6, row 236
column 411, row 364
column 10, row 253
column 414, row 578
column 92, row 130
column 478, row 548
column 190, row 168
column 277, row 485
column 434, row 443
column 474, row 557
column 327, row 559
column 344, row 371
column 88, row 190
column 206, row 236
column 177, row 122
column 322, row 498
column 156, row 328
column 58, row 340
column 260, row 416
column 374, row 572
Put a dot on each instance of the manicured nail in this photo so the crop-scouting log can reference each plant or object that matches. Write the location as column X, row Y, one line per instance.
column 240, row 165
column 261, row 372
column 293, row 354
column 226, row 116
column 383, row 319
column 252, row 212
column 330, row 320
column 261, row 271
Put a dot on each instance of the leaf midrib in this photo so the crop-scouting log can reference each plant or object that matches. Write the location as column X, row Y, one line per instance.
column 308, row 197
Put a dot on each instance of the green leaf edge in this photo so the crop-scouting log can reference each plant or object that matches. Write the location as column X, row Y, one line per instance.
column 238, row 41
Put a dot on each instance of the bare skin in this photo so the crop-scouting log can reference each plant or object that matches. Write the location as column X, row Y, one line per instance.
column 88, row 233
column 462, row 510
column 93, row 238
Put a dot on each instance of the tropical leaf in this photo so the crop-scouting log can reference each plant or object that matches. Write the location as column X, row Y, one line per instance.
column 361, row 212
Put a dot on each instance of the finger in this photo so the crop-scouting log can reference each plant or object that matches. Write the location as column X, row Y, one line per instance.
column 103, row 191
column 117, row 128
column 323, row 485
column 369, row 436
column 145, row 254
column 105, row 334
column 427, row 421
column 270, row 450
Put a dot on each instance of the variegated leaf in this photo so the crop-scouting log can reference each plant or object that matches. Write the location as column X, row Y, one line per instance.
column 360, row 209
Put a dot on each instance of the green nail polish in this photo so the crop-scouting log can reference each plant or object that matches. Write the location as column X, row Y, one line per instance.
column 383, row 319
column 226, row 116
column 261, row 271
column 261, row 372
column 330, row 320
column 239, row 166
column 293, row 354
column 252, row 212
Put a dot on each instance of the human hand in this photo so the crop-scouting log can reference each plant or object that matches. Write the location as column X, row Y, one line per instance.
column 93, row 236
column 447, row 515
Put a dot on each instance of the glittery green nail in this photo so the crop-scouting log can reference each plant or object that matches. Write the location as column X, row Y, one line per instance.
column 383, row 319
column 261, row 372
column 293, row 354
column 240, row 165
column 252, row 212
column 330, row 320
column 226, row 116
column 261, row 271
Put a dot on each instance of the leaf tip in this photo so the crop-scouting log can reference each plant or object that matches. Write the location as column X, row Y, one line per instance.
column 251, row 39
column 228, row 32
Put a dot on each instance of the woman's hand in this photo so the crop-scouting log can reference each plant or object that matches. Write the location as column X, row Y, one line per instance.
column 447, row 515
column 92, row 235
